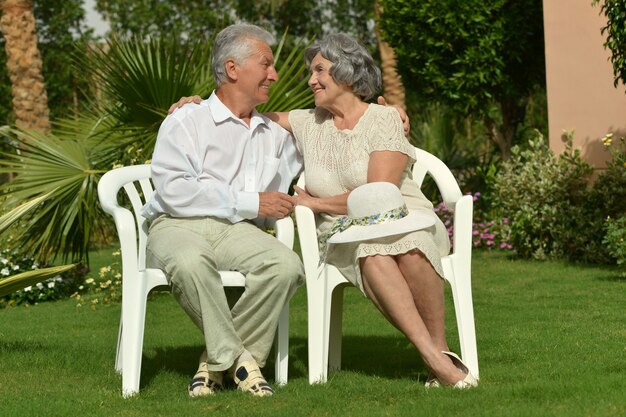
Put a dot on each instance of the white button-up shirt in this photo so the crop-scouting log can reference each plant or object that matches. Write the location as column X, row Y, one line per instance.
column 209, row 162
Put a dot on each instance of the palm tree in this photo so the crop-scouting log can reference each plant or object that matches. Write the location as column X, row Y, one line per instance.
column 392, row 83
column 30, row 100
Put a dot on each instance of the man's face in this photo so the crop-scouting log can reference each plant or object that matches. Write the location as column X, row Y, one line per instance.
column 256, row 73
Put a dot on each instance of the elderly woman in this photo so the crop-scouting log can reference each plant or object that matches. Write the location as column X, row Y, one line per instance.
column 346, row 143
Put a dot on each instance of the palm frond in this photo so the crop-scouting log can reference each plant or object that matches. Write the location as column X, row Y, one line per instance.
column 19, row 281
column 8, row 219
column 140, row 79
column 54, row 194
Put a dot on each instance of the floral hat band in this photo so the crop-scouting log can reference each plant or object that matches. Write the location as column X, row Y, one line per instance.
column 378, row 218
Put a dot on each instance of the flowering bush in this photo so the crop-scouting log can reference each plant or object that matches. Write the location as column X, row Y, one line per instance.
column 617, row 149
column 13, row 263
column 103, row 288
column 482, row 234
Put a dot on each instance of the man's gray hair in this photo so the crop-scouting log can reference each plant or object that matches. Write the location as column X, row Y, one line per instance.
column 352, row 64
column 233, row 42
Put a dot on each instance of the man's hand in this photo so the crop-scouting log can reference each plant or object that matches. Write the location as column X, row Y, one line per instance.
column 405, row 117
column 275, row 204
column 183, row 101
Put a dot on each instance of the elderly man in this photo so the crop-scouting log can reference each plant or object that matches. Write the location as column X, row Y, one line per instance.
column 218, row 168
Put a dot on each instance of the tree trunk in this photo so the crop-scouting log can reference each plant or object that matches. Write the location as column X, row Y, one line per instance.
column 392, row 83
column 498, row 137
column 513, row 115
column 30, row 100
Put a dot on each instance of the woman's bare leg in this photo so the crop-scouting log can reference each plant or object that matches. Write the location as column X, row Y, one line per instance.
column 388, row 289
column 427, row 289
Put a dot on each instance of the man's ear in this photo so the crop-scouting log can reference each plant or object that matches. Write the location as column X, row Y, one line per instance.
column 231, row 69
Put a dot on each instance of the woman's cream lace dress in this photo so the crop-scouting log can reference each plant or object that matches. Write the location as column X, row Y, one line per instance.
column 336, row 161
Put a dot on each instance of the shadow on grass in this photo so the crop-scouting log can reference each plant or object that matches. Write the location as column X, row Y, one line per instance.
column 21, row 346
column 180, row 360
column 614, row 277
column 390, row 357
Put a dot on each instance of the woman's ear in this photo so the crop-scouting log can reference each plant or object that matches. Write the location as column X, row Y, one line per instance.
column 231, row 69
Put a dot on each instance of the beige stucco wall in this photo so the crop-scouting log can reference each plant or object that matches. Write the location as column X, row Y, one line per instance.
column 579, row 79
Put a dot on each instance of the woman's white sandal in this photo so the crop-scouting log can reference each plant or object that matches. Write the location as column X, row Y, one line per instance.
column 432, row 382
column 470, row 380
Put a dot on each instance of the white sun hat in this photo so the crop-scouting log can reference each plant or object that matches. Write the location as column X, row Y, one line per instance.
column 375, row 210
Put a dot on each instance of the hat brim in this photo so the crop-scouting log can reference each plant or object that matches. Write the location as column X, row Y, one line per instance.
column 412, row 222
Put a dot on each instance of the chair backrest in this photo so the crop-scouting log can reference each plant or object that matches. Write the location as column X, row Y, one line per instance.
column 135, row 180
column 427, row 163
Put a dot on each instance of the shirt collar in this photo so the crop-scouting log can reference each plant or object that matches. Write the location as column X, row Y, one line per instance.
column 221, row 113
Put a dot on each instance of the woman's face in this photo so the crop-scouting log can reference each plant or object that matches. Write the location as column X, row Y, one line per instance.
column 325, row 88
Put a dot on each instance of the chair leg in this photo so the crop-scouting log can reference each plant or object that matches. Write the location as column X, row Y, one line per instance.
column 119, row 363
column 133, row 324
column 464, row 308
column 335, row 334
column 316, row 313
column 281, row 347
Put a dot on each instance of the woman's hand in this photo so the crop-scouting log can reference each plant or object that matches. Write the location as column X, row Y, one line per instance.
column 337, row 204
column 406, row 123
column 304, row 198
column 184, row 100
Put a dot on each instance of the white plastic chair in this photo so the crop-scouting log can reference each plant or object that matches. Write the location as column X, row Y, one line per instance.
column 325, row 284
column 137, row 280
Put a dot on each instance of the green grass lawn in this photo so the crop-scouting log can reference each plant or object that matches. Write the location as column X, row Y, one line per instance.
column 551, row 342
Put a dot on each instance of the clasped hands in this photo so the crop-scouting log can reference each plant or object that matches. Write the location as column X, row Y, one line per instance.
column 278, row 205
column 275, row 204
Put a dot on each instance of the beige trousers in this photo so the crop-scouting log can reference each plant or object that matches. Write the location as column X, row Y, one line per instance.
column 191, row 251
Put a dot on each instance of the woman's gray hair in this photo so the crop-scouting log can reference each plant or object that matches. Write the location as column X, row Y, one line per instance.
column 233, row 42
column 352, row 64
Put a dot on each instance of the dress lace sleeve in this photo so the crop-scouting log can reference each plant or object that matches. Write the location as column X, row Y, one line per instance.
column 387, row 133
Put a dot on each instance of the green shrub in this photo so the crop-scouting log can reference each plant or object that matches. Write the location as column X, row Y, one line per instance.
column 553, row 211
column 542, row 196
column 615, row 240
column 609, row 191
column 607, row 198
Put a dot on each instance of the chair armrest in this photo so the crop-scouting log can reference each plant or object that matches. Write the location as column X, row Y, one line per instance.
column 446, row 183
column 463, row 212
column 305, row 220
column 125, row 224
column 285, row 231
column 127, row 234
